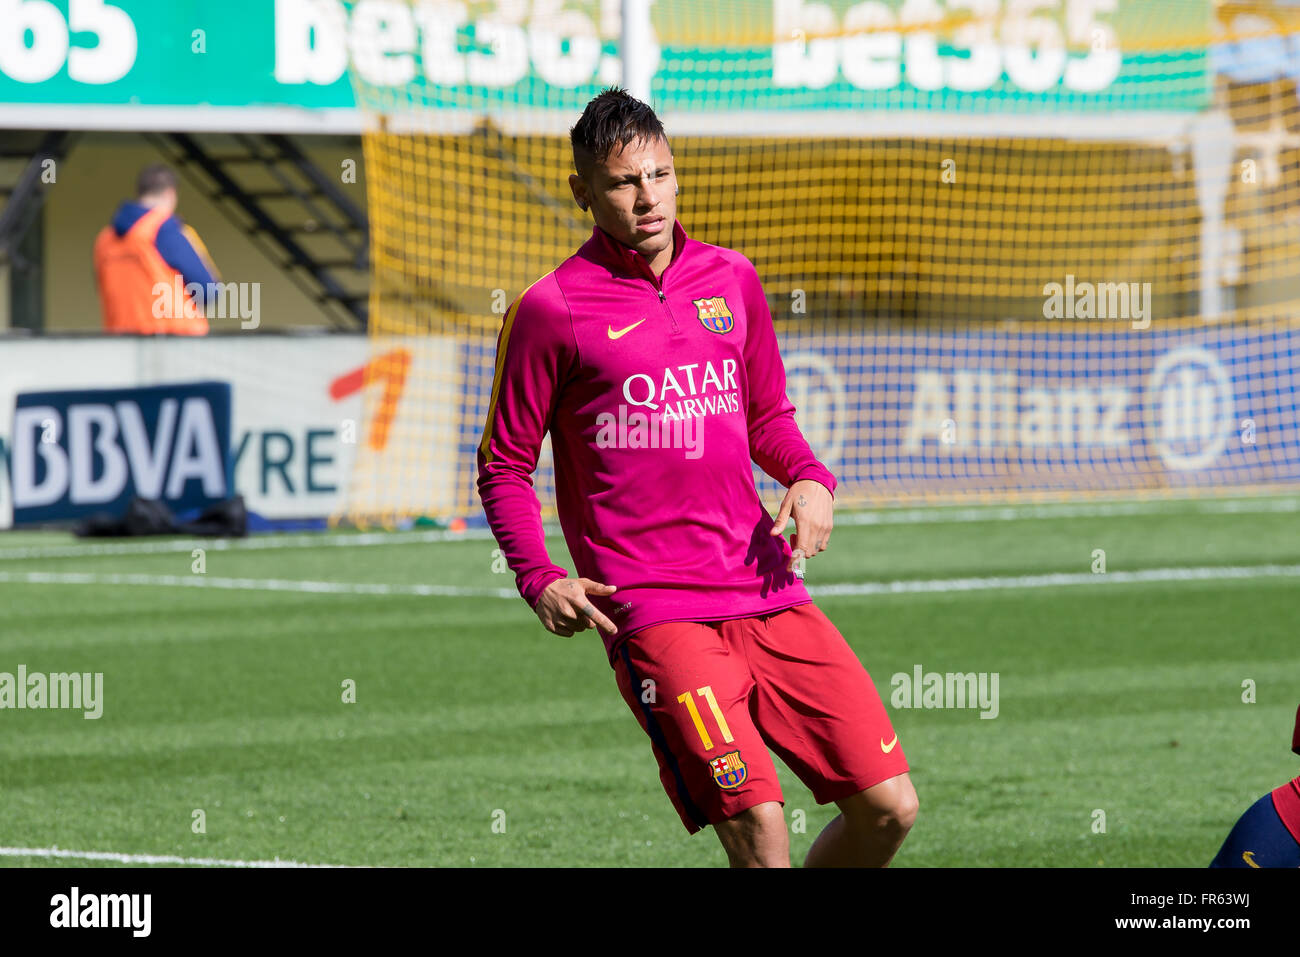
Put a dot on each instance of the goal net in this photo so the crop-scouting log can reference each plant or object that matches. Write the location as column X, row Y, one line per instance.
column 1014, row 249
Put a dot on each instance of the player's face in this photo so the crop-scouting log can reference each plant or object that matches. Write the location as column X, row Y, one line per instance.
column 633, row 196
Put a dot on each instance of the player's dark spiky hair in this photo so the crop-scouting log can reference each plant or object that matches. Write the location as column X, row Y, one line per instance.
column 611, row 120
column 155, row 179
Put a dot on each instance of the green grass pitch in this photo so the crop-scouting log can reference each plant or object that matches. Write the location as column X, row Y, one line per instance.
column 477, row 739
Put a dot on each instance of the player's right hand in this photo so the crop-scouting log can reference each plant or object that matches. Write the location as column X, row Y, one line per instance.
column 565, row 609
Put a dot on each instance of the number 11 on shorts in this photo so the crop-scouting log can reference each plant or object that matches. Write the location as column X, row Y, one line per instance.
column 707, row 694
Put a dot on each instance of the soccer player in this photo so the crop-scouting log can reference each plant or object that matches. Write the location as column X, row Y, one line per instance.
column 1268, row 834
column 652, row 360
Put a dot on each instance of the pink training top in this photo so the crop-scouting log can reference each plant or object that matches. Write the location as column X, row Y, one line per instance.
column 657, row 394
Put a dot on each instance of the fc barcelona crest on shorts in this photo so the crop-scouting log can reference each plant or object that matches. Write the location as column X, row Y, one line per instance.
column 728, row 770
column 714, row 314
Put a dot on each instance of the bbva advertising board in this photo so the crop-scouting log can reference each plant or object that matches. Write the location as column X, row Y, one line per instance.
column 298, row 406
column 82, row 451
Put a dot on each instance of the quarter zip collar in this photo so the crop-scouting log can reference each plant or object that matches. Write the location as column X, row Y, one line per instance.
column 625, row 260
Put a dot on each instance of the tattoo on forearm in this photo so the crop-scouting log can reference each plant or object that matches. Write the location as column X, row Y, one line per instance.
column 802, row 501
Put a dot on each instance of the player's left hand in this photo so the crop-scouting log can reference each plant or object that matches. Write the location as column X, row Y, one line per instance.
column 811, row 504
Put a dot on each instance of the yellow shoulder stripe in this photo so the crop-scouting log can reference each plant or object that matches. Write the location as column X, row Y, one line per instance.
column 484, row 446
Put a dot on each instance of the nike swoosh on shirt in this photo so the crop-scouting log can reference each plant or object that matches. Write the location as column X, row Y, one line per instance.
column 890, row 746
column 621, row 332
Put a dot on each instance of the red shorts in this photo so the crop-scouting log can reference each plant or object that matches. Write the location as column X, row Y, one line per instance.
column 715, row 696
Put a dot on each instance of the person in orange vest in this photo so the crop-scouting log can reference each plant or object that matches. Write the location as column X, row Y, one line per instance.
column 153, row 271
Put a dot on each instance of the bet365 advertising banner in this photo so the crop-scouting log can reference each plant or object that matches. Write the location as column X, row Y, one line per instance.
column 75, row 453
column 156, row 57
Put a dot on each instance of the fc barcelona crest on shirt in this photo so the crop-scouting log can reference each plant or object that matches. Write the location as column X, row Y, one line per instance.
column 714, row 314
column 728, row 770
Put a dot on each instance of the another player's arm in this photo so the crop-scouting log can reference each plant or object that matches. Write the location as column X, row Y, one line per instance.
column 775, row 441
column 535, row 353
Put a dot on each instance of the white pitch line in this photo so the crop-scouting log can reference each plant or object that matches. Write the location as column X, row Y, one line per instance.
column 253, row 584
column 1019, row 513
column 270, row 541
column 936, row 515
column 928, row 586
column 1210, row 573
column 59, row 852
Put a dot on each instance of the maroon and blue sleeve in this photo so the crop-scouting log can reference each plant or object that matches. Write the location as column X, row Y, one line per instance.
column 1295, row 735
column 534, row 352
column 775, row 441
